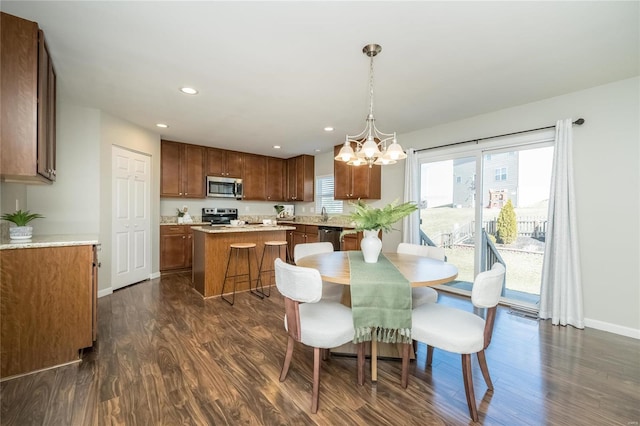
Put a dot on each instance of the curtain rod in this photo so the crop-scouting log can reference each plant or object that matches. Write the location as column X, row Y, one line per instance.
column 579, row 122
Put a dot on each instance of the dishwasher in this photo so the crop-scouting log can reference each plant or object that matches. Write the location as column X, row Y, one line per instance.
column 330, row 234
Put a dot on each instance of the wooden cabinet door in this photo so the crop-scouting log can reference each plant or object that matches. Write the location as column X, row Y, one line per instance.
column 311, row 233
column 171, row 169
column 216, row 162
column 292, row 180
column 350, row 242
column 341, row 177
column 188, row 246
column 234, row 164
column 255, row 174
column 365, row 182
column 172, row 247
column 300, row 178
column 276, row 173
column 46, row 111
column 27, row 103
column 221, row 162
column 193, row 184
column 353, row 182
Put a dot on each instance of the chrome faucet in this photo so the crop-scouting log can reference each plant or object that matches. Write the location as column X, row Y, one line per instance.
column 325, row 216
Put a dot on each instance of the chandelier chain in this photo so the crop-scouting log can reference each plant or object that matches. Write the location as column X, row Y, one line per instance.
column 371, row 86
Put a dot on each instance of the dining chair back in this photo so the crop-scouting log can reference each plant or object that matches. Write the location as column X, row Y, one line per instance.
column 330, row 292
column 310, row 321
column 422, row 295
column 463, row 332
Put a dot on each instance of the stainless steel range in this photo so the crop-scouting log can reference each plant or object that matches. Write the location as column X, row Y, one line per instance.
column 219, row 216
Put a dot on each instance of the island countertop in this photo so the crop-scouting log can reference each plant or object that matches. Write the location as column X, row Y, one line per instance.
column 226, row 229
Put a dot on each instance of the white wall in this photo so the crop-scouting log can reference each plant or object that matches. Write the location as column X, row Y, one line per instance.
column 71, row 205
column 606, row 170
column 115, row 131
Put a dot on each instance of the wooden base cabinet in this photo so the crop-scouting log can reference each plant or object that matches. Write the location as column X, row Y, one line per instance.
column 47, row 306
column 301, row 235
column 175, row 247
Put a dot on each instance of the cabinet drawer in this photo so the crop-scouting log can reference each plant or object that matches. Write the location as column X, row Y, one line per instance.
column 172, row 229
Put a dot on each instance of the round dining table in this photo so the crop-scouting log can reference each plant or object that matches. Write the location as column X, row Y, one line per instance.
column 420, row 271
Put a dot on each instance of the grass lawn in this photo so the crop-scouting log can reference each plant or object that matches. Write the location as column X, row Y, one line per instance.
column 524, row 267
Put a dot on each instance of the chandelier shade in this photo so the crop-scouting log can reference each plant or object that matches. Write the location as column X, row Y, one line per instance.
column 371, row 145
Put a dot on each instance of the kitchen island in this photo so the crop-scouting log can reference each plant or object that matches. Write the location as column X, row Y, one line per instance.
column 211, row 250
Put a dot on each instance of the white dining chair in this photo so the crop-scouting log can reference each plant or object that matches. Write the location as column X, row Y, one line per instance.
column 422, row 295
column 308, row 320
column 459, row 331
column 330, row 291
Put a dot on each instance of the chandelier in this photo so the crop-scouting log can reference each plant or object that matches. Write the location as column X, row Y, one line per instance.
column 371, row 144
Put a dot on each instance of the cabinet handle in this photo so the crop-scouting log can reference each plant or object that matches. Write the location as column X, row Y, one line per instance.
column 179, row 193
column 186, row 193
column 183, row 237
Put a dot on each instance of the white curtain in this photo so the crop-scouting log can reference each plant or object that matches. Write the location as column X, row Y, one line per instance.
column 411, row 223
column 561, row 289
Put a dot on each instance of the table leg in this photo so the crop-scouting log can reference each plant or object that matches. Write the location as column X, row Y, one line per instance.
column 374, row 360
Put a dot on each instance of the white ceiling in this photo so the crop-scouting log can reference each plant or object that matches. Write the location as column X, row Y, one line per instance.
column 279, row 72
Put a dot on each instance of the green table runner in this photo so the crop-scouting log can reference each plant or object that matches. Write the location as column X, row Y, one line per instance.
column 380, row 301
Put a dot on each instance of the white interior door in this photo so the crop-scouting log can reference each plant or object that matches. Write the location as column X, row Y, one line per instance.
column 131, row 225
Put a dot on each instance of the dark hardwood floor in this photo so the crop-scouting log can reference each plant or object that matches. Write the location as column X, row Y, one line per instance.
column 166, row 357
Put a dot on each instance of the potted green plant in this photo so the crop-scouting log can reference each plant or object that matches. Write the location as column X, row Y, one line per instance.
column 180, row 215
column 21, row 230
column 371, row 220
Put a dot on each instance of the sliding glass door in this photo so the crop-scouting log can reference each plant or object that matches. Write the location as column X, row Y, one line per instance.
column 488, row 204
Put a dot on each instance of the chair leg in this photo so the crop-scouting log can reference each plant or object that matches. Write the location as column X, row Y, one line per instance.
column 287, row 359
column 405, row 364
column 468, row 386
column 429, row 355
column 482, row 360
column 315, row 396
column 361, row 360
column 325, row 354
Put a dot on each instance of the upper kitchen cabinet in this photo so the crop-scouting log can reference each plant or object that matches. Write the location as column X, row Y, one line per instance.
column 263, row 178
column 221, row 162
column 276, row 177
column 28, row 103
column 353, row 182
column 182, row 170
column 254, row 177
column 300, row 175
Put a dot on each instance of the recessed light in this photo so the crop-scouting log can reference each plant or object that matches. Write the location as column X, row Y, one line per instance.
column 277, row 147
column 328, row 129
column 317, row 150
column 189, row 90
column 164, row 126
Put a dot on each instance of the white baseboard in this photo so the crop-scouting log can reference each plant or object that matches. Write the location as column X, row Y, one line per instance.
column 109, row 290
column 104, row 292
column 612, row 328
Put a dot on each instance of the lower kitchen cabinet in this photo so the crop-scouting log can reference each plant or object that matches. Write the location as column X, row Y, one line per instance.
column 175, row 247
column 302, row 234
column 47, row 305
column 352, row 241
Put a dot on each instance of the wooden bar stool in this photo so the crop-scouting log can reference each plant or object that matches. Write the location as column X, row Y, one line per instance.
column 274, row 249
column 236, row 248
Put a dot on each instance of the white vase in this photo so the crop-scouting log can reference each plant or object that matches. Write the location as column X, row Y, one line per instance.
column 370, row 246
column 20, row 232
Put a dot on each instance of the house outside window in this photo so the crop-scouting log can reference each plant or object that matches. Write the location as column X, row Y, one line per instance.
column 501, row 173
column 324, row 195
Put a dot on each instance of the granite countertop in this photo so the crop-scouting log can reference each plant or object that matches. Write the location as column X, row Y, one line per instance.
column 243, row 228
column 317, row 223
column 188, row 224
column 38, row 241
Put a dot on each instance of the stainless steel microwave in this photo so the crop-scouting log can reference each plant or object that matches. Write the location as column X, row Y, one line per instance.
column 224, row 187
